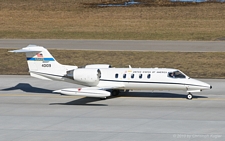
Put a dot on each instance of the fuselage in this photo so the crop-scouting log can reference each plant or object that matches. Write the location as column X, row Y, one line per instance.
column 150, row 79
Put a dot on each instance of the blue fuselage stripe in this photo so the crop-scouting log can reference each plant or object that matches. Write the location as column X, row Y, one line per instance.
column 40, row 59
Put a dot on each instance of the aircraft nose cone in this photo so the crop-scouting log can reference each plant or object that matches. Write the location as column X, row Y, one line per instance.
column 210, row 87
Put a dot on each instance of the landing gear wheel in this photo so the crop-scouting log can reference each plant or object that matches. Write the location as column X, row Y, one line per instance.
column 115, row 93
column 103, row 98
column 189, row 96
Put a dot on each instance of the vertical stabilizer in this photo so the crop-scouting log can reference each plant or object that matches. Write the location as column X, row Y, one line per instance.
column 42, row 64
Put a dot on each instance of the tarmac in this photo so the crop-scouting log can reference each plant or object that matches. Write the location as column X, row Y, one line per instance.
column 118, row 45
column 30, row 111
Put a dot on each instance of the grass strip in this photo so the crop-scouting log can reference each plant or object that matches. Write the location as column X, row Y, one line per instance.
column 76, row 19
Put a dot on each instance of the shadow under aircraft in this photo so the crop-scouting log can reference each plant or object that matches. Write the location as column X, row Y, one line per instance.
column 87, row 101
column 26, row 87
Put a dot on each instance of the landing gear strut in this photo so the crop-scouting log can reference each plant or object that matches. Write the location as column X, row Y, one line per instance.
column 189, row 96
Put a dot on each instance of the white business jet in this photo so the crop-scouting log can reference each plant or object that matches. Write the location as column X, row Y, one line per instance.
column 101, row 80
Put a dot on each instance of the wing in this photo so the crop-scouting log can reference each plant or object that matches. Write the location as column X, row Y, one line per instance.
column 88, row 91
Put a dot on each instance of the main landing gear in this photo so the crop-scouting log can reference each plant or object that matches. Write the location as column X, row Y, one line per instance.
column 189, row 96
column 115, row 92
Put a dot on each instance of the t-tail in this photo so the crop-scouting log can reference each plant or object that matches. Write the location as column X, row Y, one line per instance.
column 42, row 64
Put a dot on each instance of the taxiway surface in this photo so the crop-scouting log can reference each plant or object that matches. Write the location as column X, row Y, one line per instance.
column 115, row 45
column 29, row 111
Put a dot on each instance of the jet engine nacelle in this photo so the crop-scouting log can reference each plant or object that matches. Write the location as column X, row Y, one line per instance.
column 83, row 76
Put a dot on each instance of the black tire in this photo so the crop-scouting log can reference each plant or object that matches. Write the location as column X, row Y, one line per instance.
column 115, row 92
column 189, row 96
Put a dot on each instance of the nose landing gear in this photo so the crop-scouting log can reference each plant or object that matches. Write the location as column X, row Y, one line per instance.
column 189, row 96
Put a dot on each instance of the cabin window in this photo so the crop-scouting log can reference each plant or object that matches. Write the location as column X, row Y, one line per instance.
column 116, row 75
column 176, row 74
column 149, row 76
column 132, row 76
column 124, row 75
column 140, row 76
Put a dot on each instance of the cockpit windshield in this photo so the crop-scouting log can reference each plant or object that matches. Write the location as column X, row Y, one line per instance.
column 176, row 74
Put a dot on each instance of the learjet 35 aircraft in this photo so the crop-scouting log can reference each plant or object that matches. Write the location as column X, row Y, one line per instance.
column 101, row 80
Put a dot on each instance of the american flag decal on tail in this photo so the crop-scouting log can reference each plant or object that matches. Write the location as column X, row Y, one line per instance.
column 40, row 55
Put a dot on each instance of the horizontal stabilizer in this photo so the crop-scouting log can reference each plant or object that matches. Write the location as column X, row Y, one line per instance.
column 28, row 49
column 84, row 92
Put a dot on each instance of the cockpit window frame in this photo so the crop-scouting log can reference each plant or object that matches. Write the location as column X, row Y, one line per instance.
column 174, row 75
